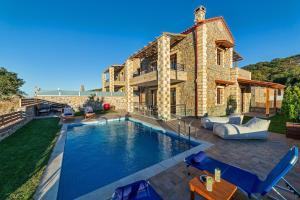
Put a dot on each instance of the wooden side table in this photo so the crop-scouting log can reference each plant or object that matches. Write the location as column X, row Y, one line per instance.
column 222, row 190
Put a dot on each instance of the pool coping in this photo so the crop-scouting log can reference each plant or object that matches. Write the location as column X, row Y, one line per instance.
column 48, row 187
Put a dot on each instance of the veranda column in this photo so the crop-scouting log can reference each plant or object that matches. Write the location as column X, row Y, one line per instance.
column 163, row 70
column 235, row 89
column 111, row 79
column 103, row 82
column 128, row 88
column 202, row 69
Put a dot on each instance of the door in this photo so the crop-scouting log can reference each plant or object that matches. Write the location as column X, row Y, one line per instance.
column 173, row 100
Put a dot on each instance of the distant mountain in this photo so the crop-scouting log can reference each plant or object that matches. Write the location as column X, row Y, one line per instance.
column 285, row 71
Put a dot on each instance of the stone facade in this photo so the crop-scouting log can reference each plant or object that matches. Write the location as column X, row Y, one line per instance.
column 116, row 80
column 111, row 79
column 204, row 55
column 128, row 87
column 163, row 70
column 103, row 82
column 77, row 102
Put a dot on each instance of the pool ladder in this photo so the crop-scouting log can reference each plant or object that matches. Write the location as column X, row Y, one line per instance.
column 189, row 129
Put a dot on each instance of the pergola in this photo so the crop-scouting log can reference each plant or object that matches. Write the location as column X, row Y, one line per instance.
column 267, row 85
column 151, row 48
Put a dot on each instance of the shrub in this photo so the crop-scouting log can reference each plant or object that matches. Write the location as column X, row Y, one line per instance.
column 291, row 103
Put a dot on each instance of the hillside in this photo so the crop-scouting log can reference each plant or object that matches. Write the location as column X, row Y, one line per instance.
column 280, row 70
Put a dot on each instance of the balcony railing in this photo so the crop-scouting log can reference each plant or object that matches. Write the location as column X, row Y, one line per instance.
column 120, row 79
column 174, row 67
column 144, row 109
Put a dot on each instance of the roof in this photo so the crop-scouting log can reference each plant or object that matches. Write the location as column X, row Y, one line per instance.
column 116, row 66
column 224, row 82
column 260, row 83
column 151, row 48
column 208, row 21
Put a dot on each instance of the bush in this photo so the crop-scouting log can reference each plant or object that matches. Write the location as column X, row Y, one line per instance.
column 291, row 103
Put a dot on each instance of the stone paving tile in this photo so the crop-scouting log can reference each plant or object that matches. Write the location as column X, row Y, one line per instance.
column 256, row 156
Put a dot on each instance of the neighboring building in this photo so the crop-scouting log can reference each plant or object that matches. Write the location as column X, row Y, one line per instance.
column 194, row 72
column 113, row 79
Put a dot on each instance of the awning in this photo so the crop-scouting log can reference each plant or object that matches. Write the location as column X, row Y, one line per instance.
column 151, row 48
column 260, row 83
column 224, row 82
column 236, row 57
column 224, row 43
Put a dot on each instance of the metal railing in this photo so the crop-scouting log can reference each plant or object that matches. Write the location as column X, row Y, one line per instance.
column 144, row 109
column 174, row 67
column 178, row 110
column 77, row 93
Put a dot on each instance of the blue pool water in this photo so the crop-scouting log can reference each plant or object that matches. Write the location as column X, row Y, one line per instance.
column 98, row 154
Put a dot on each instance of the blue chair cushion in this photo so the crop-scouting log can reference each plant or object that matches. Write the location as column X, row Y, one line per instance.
column 139, row 190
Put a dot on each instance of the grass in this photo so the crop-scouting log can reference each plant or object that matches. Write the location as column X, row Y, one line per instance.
column 277, row 124
column 24, row 156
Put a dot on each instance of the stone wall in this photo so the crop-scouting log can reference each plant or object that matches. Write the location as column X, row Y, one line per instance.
column 77, row 102
column 217, row 31
column 185, row 91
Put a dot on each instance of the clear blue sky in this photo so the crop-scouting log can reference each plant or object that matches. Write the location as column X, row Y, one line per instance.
column 62, row 44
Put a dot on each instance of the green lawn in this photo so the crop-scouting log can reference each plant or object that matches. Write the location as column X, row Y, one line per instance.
column 277, row 123
column 24, row 156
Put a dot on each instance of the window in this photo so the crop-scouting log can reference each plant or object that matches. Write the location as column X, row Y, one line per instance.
column 173, row 61
column 279, row 92
column 219, row 95
column 219, row 56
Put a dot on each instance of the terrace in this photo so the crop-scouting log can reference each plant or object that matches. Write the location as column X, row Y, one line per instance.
column 173, row 183
column 146, row 73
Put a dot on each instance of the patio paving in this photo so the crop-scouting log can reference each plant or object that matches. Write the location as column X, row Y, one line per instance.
column 253, row 155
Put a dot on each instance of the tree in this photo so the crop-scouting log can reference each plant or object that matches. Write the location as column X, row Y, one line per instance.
column 10, row 84
column 291, row 103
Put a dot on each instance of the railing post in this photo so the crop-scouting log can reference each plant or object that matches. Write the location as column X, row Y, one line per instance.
column 178, row 128
column 1, row 121
column 20, row 102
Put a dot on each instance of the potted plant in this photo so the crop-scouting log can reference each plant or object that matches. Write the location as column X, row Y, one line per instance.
column 291, row 109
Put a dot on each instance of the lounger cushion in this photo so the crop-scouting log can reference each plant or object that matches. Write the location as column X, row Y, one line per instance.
column 236, row 119
column 139, row 190
column 199, row 157
column 255, row 129
column 209, row 122
column 258, row 124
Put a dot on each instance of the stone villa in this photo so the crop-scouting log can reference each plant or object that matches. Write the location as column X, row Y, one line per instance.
column 194, row 72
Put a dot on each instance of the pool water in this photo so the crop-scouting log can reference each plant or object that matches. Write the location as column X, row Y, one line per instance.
column 98, row 154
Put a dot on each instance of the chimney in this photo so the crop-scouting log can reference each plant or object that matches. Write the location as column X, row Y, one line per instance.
column 199, row 14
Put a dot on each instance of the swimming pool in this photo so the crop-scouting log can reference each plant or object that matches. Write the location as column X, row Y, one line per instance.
column 98, row 154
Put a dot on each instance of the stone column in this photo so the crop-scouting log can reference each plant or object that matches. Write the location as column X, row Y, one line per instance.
column 103, row 82
column 235, row 89
column 128, row 88
column 202, row 69
column 163, row 70
column 111, row 79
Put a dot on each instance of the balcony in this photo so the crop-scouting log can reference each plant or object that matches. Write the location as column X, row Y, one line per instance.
column 106, row 83
column 149, row 76
column 120, row 81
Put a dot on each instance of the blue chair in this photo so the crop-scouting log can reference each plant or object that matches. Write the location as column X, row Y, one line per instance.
column 140, row 190
column 245, row 180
